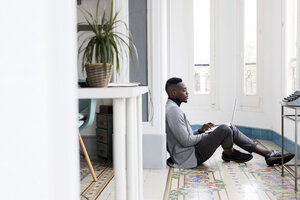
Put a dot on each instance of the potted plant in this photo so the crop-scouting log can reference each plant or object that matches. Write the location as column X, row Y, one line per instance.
column 104, row 46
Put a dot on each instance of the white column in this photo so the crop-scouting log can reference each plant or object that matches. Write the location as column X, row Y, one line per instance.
column 131, row 148
column 119, row 148
column 39, row 141
column 140, row 147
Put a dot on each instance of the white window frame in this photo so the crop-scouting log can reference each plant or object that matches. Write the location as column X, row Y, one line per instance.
column 283, row 52
column 298, row 42
column 157, row 61
column 298, row 45
column 207, row 100
column 249, row 102
column 156, row 57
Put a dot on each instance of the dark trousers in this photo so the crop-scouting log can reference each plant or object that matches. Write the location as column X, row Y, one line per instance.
column 225, row 136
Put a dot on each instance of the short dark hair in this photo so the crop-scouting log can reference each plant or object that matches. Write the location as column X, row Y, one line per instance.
column 172, row 81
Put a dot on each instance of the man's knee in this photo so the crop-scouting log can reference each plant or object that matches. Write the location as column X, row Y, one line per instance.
column 226, row 129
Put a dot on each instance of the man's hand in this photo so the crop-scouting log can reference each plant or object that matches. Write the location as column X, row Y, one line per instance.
column 206, row 127
column 211, row 124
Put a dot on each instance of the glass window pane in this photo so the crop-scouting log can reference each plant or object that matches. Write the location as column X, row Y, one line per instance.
column 202, row 80
column 202, row 46
column 290, row 44
column 250, row 47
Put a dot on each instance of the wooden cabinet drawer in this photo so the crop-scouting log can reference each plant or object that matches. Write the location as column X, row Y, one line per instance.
column 105, row 121
column 104, row 150
column 102, row 135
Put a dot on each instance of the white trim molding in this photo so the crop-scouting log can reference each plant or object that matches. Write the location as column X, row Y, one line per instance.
column 154, row 129
column 249, row 102
column 157, row 64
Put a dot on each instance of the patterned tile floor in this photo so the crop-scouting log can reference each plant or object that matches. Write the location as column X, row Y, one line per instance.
column 216, row 180
column 90, row 190
column 219, row 180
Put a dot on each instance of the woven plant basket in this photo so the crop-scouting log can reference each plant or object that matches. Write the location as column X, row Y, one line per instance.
column 96, row 76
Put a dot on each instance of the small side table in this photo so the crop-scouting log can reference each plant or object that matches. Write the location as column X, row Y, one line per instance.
column 294, row 117
column 127, row 137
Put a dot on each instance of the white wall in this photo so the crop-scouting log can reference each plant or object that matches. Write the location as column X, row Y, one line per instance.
column 39, row 141
column 180, row 61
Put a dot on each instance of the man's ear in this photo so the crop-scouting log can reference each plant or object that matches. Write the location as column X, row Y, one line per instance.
column 174, row 93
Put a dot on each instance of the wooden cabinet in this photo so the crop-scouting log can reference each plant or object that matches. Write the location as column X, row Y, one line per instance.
column 104, row 133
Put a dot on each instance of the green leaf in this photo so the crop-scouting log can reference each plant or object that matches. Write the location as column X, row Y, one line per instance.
column 111, row 11
column 97, row 9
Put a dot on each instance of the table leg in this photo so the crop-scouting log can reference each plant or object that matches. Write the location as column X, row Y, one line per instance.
column 119, row 148
column 140, row 147
column 132, row 171
column 282, row 140
column 296, row 150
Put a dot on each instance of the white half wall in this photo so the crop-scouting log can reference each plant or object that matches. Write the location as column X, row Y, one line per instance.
column 39, row 140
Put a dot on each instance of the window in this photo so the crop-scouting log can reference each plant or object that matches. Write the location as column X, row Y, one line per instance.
column 250, row 48
column 290, row 45
column 202, row 46
column 203, row 73
column 249, row 59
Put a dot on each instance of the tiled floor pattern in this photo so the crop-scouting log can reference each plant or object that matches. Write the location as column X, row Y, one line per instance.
column 154, row 182
column 213, row 180
column 90, row 190
column 219, row 180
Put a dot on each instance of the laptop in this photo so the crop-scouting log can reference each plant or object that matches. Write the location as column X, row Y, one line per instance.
column 229, row 123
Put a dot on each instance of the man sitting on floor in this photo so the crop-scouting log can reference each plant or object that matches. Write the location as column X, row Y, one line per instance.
column 189, row 149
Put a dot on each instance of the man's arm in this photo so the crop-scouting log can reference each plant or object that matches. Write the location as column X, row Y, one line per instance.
column 177, row 124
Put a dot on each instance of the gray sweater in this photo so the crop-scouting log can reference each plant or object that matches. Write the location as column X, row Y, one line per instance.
column 180, row 138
